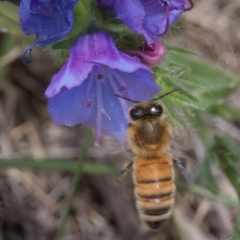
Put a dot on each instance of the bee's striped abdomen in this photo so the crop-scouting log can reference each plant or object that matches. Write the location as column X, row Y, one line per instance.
column 154, row 189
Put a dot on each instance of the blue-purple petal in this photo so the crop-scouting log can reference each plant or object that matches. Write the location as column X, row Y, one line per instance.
column 131, row 12
column 69, row 107
column 97, row 48
column 138, row 88
column 71, row 75
column 49, row 20
column 151, row 18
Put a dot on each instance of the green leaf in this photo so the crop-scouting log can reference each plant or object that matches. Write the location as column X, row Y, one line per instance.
column 64, row 44
column 228, row 167
column 208, row 179
column 186, row 83
column 225, row 111
column 204, row 87
column 180, row 50
column 225, row 152
column 201, row 71
column 9, row 18
column 173, row 117
column 125, row 41
column 225, row 144
column 221, row 198
column 216, row 94
column 236, row 230
column 8, row 42
column 200, row 122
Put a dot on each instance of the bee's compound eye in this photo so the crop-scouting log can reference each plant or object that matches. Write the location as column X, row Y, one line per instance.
column 156, row 110
column 136, row 113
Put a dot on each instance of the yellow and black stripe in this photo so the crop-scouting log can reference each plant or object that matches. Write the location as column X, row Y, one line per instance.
column 154, row 189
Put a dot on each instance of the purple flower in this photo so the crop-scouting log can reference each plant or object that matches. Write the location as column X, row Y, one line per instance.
column 49, row 20
column 81, row 91
column 151, row 18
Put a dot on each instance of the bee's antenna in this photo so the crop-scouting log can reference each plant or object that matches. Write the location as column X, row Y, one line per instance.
column 165, row 94
column 128, row 99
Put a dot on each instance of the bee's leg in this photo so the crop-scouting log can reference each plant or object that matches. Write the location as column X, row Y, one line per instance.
column 180, row 163
column 123, row 172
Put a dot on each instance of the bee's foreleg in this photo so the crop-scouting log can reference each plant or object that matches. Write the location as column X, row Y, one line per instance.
column 123, row 172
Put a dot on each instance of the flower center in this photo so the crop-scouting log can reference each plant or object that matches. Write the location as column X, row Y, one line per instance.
column 110, row 80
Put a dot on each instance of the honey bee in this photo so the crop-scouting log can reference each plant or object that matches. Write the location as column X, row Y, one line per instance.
column 149, row 138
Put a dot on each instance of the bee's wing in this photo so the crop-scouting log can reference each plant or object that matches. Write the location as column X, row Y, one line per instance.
column 108, row 146
column 182, row 159
column 117, row 153
column 186, row 166
column 184, row 162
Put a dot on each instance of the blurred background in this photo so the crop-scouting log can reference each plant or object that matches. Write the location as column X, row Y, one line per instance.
column 72, row 193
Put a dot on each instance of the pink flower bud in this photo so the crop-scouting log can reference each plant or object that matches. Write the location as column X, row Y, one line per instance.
column 149, row 54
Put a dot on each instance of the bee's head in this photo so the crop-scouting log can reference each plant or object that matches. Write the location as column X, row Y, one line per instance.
column 145, row 110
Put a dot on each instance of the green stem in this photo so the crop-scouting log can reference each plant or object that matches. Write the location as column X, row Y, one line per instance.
column 73, row 190
column 66, row 210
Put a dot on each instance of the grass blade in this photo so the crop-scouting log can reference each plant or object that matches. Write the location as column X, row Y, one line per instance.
column 65, row 165
column 224, row 199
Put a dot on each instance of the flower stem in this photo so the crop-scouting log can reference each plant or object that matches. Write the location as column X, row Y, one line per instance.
column 73, row 189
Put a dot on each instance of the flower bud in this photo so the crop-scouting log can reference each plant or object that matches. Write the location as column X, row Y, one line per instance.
column 149, row 54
